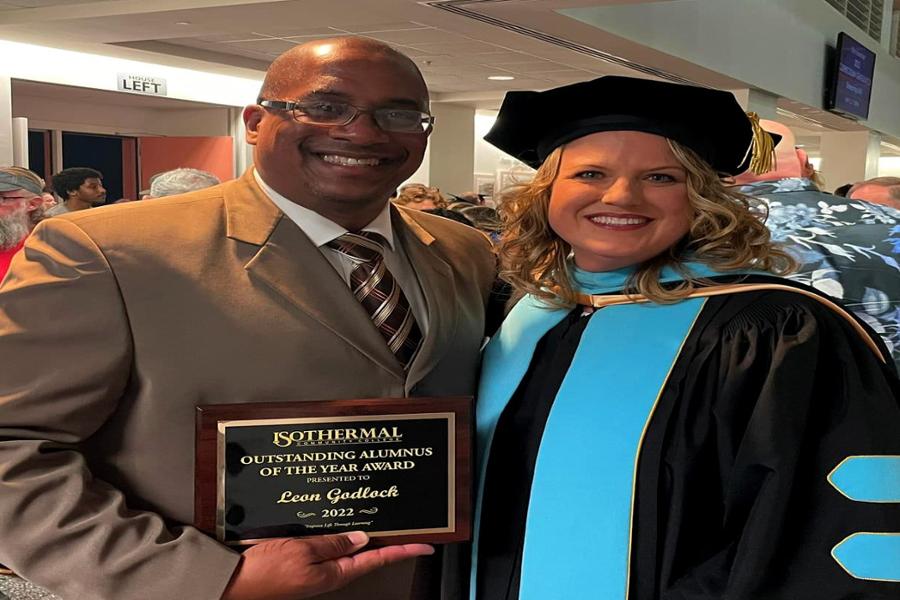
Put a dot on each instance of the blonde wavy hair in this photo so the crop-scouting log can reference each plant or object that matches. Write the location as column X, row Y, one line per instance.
column 727, row 233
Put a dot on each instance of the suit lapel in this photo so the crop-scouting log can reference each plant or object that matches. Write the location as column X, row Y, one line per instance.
column 437, row 283
column 291, row 265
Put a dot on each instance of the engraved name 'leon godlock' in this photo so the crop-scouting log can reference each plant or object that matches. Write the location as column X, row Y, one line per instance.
column 337, row 495
column 283, row 439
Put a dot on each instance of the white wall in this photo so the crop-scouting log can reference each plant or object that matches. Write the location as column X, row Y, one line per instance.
column 6, row 138
column 66, row 67
column 774, row 45
column 451, row 148
column 487, row 157
column 848, row 156
column 59, row 112
column 489, row 161
column 423, row 173
column 889, row 166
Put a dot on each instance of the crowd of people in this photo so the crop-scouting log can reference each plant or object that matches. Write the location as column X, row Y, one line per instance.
column 25, row 199
column 700, row 344
column 468, row 208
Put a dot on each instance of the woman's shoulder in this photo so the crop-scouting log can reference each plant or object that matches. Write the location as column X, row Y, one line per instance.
column 760, row 306
column 761, row 299
column 779, row 309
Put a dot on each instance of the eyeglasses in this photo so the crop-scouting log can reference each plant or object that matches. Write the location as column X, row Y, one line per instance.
column 338, row 114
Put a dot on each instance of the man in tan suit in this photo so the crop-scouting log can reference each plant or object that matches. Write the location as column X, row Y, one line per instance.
column 115, row 323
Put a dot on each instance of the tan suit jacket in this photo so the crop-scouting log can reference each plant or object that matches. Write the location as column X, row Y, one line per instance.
column 116, row 322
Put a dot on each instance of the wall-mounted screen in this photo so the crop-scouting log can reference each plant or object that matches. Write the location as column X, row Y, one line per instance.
column 850, row 78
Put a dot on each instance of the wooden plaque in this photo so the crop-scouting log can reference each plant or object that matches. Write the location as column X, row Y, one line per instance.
column 396, row 468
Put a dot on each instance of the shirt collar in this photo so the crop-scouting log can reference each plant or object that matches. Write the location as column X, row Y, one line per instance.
column 319, row 229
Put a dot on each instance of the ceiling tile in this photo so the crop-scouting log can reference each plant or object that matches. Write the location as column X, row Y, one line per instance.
column 292, row 32
column 525, row 84
column 460, row 86
column 418, row 55
column 193, row 43
column 459, row 48
column 42, row 3
column 432, row 78
column 224, row 37
column 266, row 46
column 418, row 36
column 426, row 61
column 227, row 49
column 570, row 76
column 468, row 71
column 583, row 61
column 531, row 67
column 205, row 51
column 461, row 61
column 384, row 27
column 494, row 58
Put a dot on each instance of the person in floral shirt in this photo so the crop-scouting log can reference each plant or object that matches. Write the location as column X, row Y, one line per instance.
column 849, row 249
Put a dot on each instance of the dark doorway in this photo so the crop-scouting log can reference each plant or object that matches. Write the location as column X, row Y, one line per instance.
column 39, row 152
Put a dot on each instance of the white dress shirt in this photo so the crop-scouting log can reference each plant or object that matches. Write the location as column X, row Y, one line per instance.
column 320, row 231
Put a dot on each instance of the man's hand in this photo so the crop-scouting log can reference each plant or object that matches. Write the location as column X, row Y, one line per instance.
column 290, row 569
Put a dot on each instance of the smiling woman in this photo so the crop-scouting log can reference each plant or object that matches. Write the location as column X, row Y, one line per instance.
column 658, row 416
column 621, row 196
column 624, row 198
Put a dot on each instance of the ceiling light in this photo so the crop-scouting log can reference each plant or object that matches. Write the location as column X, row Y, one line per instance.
column 182, row 22
column 501, row 77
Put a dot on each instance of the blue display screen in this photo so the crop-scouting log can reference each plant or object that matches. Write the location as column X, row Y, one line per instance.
column 853, row 83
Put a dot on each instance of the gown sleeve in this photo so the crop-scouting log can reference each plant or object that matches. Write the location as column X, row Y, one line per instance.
column 776, row 393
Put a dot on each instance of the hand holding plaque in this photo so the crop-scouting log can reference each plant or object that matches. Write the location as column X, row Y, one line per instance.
column 396, row 468
column 304, row 568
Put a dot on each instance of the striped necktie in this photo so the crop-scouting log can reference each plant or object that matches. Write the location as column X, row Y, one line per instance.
column 380, row 294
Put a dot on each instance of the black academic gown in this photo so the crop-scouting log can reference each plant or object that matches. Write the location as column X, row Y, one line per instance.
column 770, row 392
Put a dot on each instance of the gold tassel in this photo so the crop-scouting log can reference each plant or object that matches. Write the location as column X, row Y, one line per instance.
column 762, row 150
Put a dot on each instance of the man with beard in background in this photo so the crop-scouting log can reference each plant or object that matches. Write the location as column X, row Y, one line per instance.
column 20, row 210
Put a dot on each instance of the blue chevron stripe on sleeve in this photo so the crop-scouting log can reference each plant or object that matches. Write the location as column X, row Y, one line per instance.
column 868, row 478
column 873, row 556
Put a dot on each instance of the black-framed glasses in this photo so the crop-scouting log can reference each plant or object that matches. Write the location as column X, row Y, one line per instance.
column 328, row 112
